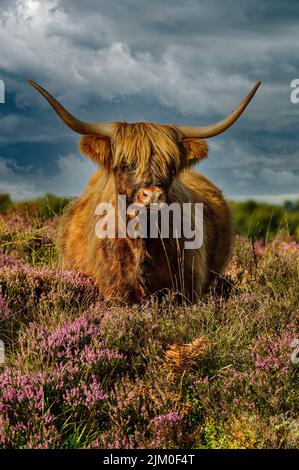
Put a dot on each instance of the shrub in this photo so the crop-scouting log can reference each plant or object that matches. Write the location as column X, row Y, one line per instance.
column 5, row 203
column 265, row 221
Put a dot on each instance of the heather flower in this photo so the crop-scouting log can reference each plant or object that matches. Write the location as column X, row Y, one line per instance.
column 85, row 395
column 166, row 428
column 259, row 247
column 132, row 406
column 263, row 382
column 32, row 290
column 75, row 382
column 290, row 248
column 22, row 411
column 9, row 261
column 169, row 419
column 5, row 311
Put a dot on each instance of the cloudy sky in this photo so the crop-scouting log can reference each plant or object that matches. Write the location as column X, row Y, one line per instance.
column 187, row 62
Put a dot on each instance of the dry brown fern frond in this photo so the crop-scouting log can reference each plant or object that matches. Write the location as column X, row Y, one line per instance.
column 183, row 357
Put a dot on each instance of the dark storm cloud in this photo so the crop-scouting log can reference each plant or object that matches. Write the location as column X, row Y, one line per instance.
column 170, row 61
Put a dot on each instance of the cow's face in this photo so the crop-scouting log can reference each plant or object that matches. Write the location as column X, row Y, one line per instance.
column 145, row 158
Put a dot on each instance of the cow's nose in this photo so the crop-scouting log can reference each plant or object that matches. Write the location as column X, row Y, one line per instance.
column 150, row 195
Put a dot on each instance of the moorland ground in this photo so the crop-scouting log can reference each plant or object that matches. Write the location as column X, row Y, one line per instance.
column 80, row 373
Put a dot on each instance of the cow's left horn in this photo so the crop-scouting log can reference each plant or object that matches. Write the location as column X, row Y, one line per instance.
column 202, row 132
column 101, row 128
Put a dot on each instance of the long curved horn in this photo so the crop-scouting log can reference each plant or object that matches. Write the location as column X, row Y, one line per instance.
column 202, row 132
column 101, row 128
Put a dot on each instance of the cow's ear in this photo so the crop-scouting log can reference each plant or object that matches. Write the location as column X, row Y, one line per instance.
column 196, row 150
column 97, row 149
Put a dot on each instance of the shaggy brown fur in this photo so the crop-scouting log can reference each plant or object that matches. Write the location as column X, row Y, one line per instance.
column 130, row 269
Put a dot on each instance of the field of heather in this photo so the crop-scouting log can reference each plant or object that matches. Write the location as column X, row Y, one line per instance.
column 81, row 374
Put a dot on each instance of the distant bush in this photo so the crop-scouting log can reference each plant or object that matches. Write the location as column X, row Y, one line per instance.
column 45, row 207
column 5, row 203
column 265, row 221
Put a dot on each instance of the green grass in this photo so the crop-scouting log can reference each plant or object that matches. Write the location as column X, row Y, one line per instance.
column 264, row 221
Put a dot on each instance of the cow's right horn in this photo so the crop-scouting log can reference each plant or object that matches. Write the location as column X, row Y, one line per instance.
column 82, row 127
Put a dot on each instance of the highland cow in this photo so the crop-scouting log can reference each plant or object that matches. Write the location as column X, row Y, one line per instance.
column 148, row 163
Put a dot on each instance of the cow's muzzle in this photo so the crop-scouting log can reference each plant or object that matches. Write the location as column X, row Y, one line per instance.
column 147, row 195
